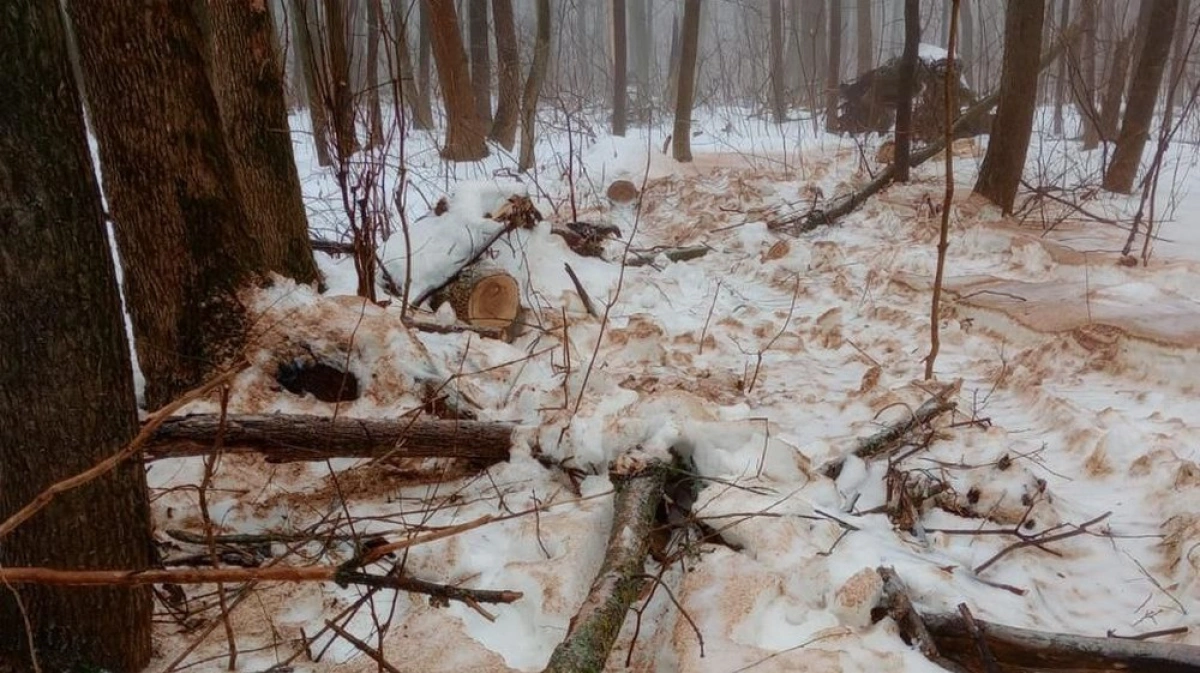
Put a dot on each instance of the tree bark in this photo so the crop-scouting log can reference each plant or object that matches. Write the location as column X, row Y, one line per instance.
column 642, row 46
column 907, row 87
column 508, row 63
column 620, row 67
column 778, row 84
column 1143, row 94
column 66, row 388
column 341, row 96
column 481, row 64
column 1060, row 82
column 866, row 44
column 673, row 60
column 689, row 50
column 465, row 132
column 420, row 114
column 1179, row 44
column 833, row 76
column 967, row 53
column 282, row 437
column 533, row 86
column 1110, row 108
column 247, row 78
column 424, row 56
column 1085, row 94
column 374, row 109
column 303, row 22
column 179, row 218
column 1000, row 174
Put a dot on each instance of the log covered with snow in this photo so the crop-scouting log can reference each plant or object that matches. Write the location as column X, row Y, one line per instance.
column 283, row 438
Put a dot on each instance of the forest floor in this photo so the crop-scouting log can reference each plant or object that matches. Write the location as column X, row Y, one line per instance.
column 1075, row 377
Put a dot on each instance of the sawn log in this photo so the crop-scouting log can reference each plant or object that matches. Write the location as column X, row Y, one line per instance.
column 283, row 438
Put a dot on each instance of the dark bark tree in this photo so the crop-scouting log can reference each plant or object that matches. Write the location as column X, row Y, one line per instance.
column 533, row 86
column 508, row 65
column 307, row 48
column 866, row 44
column 1143, row 94
column 66, row 387
column 778, row 84
column 1000, row 174
column 1179, row 44
column 833, row 76
column 424, row 58
column 180, row 224
column 481, row 62
column 247, row 78
column 1110, row 107
column 689, row 51
column 466, row 136
column 340, row 95
column 907, row 87
column 620, row 67
column 421, row 116
column 1085, row 90
column 1060, row 81
column 374, row 109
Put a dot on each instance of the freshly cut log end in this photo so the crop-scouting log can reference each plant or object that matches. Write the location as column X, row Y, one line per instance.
column 622, row 192
column 485, row 297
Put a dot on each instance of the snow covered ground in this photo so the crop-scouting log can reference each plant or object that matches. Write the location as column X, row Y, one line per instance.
column 1076, row 382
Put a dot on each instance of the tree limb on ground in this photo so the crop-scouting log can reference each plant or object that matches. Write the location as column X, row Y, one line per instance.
column 594, row 628
column 799, row 223
column 284, row 438
column 891, row 436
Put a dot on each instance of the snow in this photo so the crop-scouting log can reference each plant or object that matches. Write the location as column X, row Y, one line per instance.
column 758, row 363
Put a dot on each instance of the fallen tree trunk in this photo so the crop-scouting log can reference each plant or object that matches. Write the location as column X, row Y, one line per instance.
column 842, row 206
column 594, row 628
column 891, row 436
column 1017, row 649
column 283, row 438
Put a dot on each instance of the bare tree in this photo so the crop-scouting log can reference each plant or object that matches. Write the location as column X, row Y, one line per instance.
column 1060, row 81
column 374, row 109
column 866, row 44
column 833, row 76
column 465, row 132
column 641, row 21
column 967, row 55
column 1118, row 70
column 689, row 50
column 1085, row 90
column 1000, row 174
column 336, row 68
column 481, row 62
column 907, row 88
column 620, row 67
column 66, row 387
column 508, row 63
column 533, row 86
column 1139, row 112
column 307, row 48
column 424, row 56
column 1179, row 45
column 418, row 106
column 247, row 78
column 778, row 84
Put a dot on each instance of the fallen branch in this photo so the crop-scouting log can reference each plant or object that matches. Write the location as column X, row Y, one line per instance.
column 298, row 438
column 336, row 574
column 595, row 627
column 366, row 649
column 900, row 608
column 890, row 437
column 646, row 257
column 1021, row 649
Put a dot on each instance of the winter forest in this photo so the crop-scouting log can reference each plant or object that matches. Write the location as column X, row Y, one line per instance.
column 682, row 336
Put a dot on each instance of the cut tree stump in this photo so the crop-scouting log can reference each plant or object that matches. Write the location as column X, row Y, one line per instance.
column 284, row 438
column 595, row 627
column 483, row 296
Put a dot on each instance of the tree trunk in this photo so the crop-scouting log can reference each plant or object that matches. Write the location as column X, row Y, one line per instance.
column 967, row 52
column 481, row 65
column 533, row 86
column 66, row 388
column 1139, row 112
column 179, row 218
column 673, row 60
column 424, row 56
column 778, row 85
column 1085, row 94
column 421, row 115
column 1060, row 83
column 465, row 132
column 374, row 109
column 508, row 63
column 303, row 21
column 620, row 67
column 907, row 87
column 833, row 76
column 285, row 437
column 1110, row 108
column 1000, row 174
column 640, row 14
column 689, row 50
column 815, row 42
column 341, row 96
column 866, row 44
column 1178, row 70
column 247, row 78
